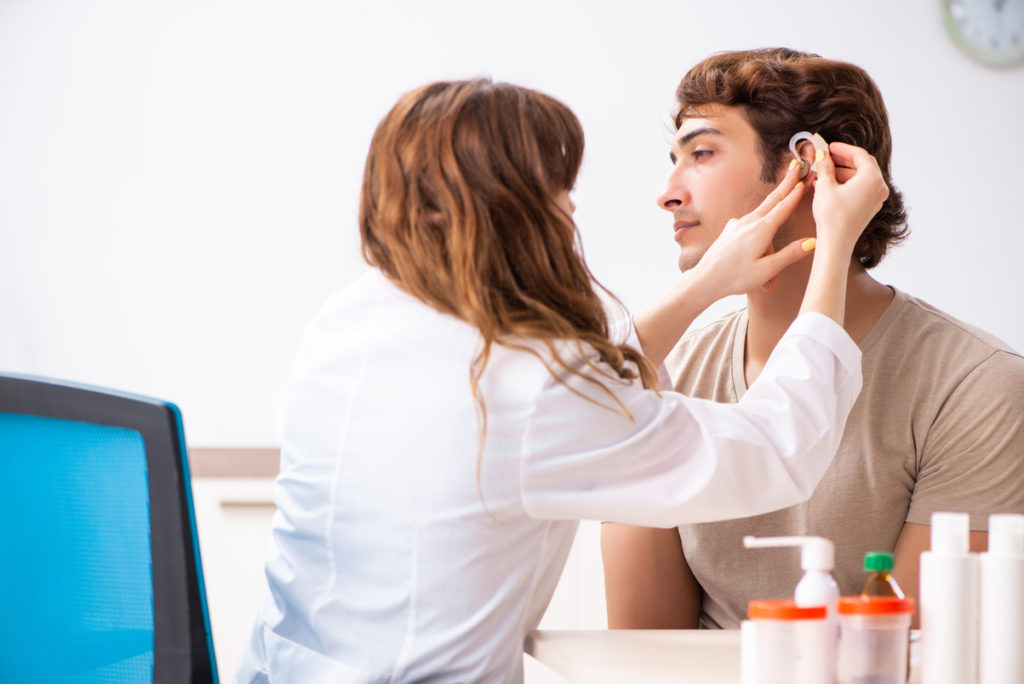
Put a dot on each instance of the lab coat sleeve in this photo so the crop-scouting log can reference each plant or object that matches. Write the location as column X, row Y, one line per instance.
column 683, row 460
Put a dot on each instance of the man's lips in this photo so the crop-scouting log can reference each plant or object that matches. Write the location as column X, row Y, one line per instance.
column 680, row 228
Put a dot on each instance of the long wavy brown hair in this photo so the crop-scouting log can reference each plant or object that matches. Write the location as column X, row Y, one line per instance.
column 783, row 91
column 460, row 209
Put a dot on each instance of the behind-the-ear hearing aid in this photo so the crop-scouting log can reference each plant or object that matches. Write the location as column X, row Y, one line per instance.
column 819, row 144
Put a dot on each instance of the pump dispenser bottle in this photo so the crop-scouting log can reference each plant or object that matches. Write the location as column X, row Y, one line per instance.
column 817, row 587
column 1001, row 658
column 949, row 604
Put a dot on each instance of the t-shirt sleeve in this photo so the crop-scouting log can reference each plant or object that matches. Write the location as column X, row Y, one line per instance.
column 677, row 459
column 973, row 457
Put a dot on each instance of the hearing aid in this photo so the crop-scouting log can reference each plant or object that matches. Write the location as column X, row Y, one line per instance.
column 819, row 145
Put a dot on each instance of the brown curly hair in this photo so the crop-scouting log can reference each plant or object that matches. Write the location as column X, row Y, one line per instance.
column 460, row 209
column 783, row 91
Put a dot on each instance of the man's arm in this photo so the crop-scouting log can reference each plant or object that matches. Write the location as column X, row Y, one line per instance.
column 647, row 582
column 972, row 460
column 914, row 539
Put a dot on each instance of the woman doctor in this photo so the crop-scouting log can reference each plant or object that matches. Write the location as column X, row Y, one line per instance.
column 454, row 412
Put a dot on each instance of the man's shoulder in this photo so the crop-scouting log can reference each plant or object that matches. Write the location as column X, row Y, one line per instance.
column 713, row 337
column 928, row 328
column 713, row 331
column 701, row 362
column 937, row 356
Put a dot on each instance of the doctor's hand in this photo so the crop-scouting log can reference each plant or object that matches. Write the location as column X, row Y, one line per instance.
column 742, row 259
column 739, row 261
column 848, row 197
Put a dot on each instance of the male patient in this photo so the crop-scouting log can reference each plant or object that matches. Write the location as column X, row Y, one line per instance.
column 939, row 425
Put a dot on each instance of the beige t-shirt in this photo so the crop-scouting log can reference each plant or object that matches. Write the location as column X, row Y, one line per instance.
column 939, row 426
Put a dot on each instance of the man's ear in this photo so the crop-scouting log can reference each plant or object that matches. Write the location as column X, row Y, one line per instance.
column 805, row 151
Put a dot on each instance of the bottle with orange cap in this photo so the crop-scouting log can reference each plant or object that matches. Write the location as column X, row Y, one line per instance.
column 874, row 633
column 783, row 642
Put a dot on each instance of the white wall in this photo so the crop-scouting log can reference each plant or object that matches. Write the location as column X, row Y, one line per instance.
column 179, row 179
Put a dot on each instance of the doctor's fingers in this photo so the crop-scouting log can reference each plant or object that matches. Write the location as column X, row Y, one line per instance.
column 864, row 168
column 776, row 262
column 782, row 209
column 852, row 156
column 781, row 192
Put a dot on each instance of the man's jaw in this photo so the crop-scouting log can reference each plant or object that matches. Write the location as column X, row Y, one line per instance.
column 689, row 254
column 689, row 258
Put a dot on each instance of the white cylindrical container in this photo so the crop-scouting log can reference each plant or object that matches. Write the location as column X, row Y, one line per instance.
column 874, row 639
column 1001, row 635
column 789, row 644
column 949, row 604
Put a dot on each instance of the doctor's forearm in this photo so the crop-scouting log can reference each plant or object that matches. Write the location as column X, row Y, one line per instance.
column 826, row 286
column 660, row 324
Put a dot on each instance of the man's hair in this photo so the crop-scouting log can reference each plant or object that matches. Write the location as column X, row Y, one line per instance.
column 783, row 91
column 460, row 209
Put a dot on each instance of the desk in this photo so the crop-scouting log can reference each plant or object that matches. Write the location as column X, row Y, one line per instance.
column 650, row 656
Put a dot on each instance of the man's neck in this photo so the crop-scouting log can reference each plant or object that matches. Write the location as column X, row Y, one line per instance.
column 769, row 314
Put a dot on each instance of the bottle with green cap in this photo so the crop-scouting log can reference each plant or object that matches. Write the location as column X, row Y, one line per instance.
column 880, row 582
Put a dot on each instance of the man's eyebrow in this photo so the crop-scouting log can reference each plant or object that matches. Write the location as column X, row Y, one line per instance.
column 682, row 140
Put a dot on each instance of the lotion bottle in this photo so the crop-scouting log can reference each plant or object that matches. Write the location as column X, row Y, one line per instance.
column 949, row 604
column 817, row 587
column 1001, row 633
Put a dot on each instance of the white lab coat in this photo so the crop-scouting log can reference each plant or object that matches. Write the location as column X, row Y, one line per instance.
column 396, row 556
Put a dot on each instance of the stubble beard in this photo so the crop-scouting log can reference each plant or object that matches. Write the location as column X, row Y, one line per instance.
column 688, row 261
column 751, row 200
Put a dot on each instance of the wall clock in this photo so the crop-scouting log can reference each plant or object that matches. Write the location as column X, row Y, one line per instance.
column 989, row 31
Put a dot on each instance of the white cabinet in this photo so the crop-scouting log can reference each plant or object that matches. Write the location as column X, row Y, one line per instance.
column 233, row 519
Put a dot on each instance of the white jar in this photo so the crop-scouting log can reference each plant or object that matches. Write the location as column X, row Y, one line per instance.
column 787, row 644
column 874, row 639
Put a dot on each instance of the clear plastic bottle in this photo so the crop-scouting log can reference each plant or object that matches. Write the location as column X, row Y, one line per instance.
column 875, row 639
column 880, row 582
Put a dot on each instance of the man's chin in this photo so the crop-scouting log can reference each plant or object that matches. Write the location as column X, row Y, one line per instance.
column 688, row 260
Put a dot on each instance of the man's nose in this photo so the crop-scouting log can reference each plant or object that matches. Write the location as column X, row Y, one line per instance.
column 673, row 195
